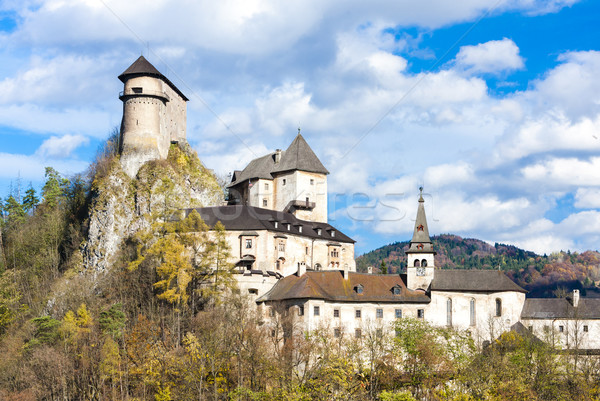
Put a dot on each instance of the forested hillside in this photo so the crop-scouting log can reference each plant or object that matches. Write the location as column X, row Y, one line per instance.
column 542, row 275
column 163, row 320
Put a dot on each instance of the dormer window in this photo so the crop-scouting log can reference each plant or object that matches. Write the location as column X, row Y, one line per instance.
column 333, row 233
column 299, row 229
column 359, row 289
column 288, row 226
column 420, row 227
column 275, row 224
column 396, row 290
column 318, row 231
column 420, row 246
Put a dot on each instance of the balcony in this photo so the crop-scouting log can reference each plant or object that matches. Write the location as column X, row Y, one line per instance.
column 299, row 204
column 139, row 92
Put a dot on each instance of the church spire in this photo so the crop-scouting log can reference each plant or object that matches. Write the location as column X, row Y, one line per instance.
column 420, row 241
column 420, row 254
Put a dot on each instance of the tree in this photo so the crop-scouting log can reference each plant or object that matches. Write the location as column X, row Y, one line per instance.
column 54, row 188
column 383, row 267
column 30, row 200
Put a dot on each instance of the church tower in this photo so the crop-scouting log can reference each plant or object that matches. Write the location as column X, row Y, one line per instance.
column 420, row 254
column 154, row 115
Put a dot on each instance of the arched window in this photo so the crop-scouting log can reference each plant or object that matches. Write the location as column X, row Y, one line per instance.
column 317, row 266
column 417, row 263
column 498, row 307
column 472, row 312
column 449, row 312
column 424, row 262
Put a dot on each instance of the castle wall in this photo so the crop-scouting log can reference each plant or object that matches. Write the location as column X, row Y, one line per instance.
column 346, row 320
column 567, row 333
column 487, row 325
column 299, row 185
column 297, row 249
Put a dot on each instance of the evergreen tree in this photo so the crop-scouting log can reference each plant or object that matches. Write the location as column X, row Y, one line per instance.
column 383, row 267
column 31, row 200
column 55, row 187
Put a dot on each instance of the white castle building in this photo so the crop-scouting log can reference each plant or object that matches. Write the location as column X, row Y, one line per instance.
column 288, row 256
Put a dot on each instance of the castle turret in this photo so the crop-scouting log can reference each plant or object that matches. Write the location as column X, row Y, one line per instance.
column 154, row 115
column 420, row 254
column 293, row 180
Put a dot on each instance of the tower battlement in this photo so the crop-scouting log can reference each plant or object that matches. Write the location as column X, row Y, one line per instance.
column 154, row 115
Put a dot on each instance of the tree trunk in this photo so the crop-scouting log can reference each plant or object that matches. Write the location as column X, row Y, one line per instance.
column 2, row 258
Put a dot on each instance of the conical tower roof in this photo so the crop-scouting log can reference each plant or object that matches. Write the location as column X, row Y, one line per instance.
column 142, row 67
column 420, row 242
column 299, row 156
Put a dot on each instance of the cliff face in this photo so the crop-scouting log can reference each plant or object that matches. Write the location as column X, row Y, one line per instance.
column 122, row 205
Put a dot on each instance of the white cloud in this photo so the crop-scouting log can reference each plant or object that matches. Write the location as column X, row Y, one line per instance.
column 586, row 198
column 60, row 147
column 492, row 57
column 565, row 172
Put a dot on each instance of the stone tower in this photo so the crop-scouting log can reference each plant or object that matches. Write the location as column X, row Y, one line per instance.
column 420, row 255
column 154, row 115
column 292, row 180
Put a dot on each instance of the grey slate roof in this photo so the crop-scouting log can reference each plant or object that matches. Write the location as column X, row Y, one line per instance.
column 473, row 281
column 421, row 231
column 250, row 218
column 142, row 67
column 560, row 308
column 330, row 285
column 298, row 156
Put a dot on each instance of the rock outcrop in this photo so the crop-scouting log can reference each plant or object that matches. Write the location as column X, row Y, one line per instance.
column 123, row 206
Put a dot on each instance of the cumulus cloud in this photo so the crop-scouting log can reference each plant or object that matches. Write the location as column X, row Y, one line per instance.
column 491, row 57
column 587, row 198
column 60, row 147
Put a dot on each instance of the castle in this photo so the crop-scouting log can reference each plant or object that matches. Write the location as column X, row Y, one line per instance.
column 287, row 255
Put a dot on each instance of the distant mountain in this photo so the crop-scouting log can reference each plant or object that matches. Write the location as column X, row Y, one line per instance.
column 541, row 275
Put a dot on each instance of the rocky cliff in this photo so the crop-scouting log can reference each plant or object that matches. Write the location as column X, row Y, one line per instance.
column 121, row 206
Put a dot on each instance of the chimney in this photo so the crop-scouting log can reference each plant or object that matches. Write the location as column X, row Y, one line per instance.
column 575, row 298
column 301, row 268
column 277, row 155
column 370, row 269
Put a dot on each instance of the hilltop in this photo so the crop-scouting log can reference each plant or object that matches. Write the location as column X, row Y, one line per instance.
column 541, row 275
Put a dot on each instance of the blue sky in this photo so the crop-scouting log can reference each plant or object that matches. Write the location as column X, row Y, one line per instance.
column 492, row 106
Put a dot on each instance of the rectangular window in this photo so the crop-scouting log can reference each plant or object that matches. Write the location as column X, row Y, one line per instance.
column 252, row 291
column 272, row 312
column 336, row 313
column 265, row 203
column 301, row 311
column 357, row 333
column 420, row 313
column 317, row 311
column 379, row 313
column 357, row 313
column 282, row 247
column 530, row 328
column 398, row 313
column 266, row 185
column 248, row 243
column 337, row 333
column 585, row 329
column 283, row 182
column 312, row 182
column 398, row 332
column 306, row 248
column 561, row 329
column 379, row 333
